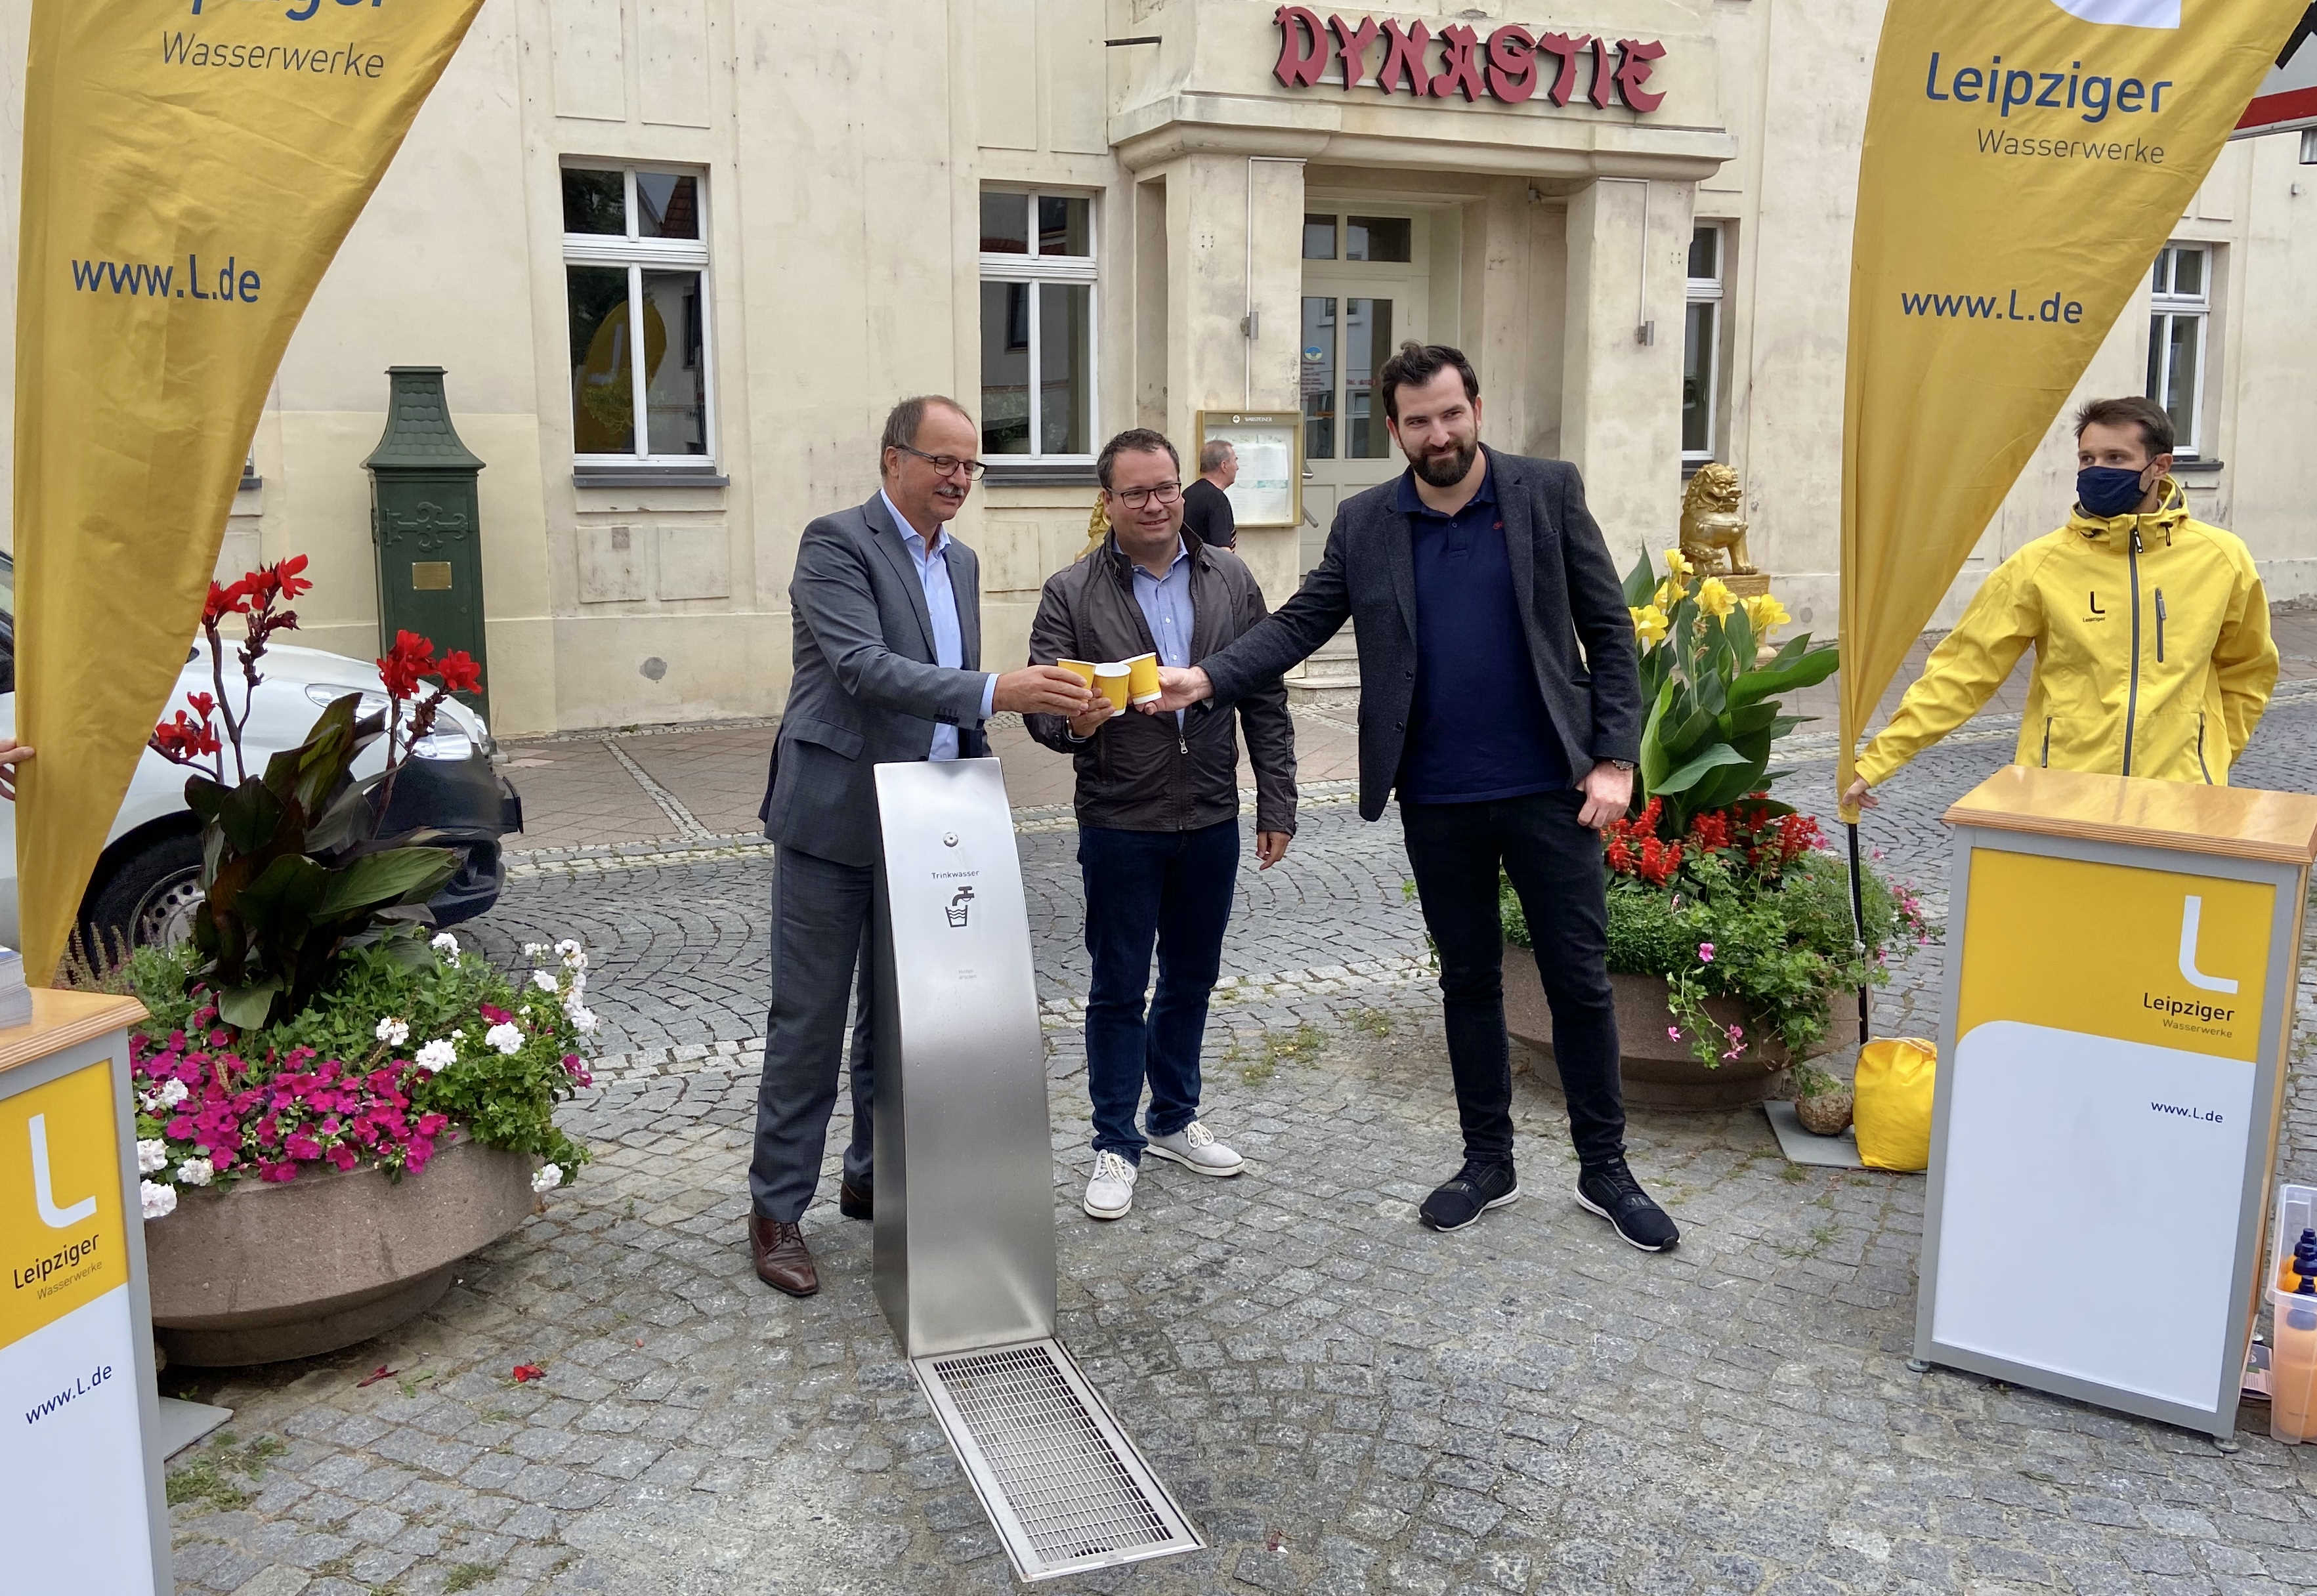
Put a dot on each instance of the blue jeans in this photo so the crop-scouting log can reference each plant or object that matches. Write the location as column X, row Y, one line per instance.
column 1173, row 888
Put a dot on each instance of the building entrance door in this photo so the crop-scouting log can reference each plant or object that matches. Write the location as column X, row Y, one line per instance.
column 1363, row 294
column 1364, row 289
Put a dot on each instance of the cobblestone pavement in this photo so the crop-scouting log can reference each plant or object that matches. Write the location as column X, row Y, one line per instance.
column 1344, row 1401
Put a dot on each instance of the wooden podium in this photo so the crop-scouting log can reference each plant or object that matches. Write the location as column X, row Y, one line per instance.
column 2124, row 958
column 80, row 1501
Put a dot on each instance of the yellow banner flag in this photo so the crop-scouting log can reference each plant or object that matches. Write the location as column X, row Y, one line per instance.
column 190, row 166
column 2024, row 162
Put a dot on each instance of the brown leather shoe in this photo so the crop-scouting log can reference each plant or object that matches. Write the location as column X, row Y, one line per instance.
column 783, row 1261
column 856, row 1202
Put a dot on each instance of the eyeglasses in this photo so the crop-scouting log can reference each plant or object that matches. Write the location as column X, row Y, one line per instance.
column 1134, row 498
column 948, row 463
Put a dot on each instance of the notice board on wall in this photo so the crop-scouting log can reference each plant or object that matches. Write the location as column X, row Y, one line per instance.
column 1269, row 492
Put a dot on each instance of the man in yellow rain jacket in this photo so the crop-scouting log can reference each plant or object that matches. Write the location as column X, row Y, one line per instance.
column 2151, row 629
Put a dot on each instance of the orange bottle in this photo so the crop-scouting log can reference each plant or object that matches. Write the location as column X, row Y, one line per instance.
column 2293, row 1366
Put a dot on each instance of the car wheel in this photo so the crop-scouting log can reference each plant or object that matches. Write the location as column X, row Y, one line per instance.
column 148, row 899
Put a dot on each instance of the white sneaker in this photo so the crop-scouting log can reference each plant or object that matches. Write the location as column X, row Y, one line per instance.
column 1194, row 1148
column 1111, row 1192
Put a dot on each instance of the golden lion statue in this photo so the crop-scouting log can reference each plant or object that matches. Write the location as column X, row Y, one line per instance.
column 1712, row 532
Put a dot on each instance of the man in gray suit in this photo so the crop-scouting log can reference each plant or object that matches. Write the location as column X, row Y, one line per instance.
column 888, row 608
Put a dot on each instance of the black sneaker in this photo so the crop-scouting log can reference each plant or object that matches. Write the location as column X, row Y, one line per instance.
column 1610, row 1190
column 1477, row 1188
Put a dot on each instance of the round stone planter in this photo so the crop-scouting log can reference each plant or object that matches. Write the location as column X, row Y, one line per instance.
column 262, row 1273
column 1659, row 1071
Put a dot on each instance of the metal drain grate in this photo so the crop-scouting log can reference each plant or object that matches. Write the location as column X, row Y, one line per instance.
column 1064, row 1487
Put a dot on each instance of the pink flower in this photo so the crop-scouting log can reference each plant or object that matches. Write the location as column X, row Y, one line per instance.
column 1705, row 953
column 1737, row 1033
column 1673, row 1032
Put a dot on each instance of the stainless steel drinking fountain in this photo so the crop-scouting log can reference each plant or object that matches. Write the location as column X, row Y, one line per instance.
column 965, row 1186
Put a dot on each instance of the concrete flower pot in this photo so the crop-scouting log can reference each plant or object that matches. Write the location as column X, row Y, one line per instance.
column 1660, row 1071
column 259, row 1273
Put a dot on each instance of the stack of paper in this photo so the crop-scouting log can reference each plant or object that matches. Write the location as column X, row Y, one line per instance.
column 15, row 1002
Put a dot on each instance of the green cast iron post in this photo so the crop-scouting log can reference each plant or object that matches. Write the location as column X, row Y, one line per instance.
column 425, row 522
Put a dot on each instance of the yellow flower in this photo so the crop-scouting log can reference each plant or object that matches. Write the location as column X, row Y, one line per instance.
column 1649, row 625
column 1715, row 598
column 1679, row 570
column 1669, row 594
column 1766, row 614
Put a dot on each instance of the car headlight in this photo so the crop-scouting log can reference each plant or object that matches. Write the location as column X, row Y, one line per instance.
column 323, row 695
column 445, row 744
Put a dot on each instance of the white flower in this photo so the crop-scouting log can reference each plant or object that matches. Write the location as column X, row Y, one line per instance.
column 578, row 982
column 574, row 957
column 507, row 1038
column 584, row 1019
column 159, row 1201
column 534, row 950
column 435, row 1056
column 547, row 1178
column 543, row 979
column 173, row 1092
column 447, row 946
column 568, row 947
column 195, row 1172
column 151, row 1155
column 393, row 1032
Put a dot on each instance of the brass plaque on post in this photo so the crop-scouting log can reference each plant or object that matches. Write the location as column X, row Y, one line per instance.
column 430, row 575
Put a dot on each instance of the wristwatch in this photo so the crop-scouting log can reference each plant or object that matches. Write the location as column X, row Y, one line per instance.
column 1625, row 765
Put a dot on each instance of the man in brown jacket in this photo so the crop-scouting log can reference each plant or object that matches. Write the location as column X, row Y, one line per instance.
column 1158, row 808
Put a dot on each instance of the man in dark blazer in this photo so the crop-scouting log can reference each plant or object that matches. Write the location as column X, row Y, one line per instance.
column 1499, row 694
column 888, row 608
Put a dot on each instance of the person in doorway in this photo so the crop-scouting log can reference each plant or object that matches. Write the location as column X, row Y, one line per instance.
column 887, row 667
column 12, row 752
column 1474, row 578
column 1157, row 808
column 2151, row 629
column 1206, row 508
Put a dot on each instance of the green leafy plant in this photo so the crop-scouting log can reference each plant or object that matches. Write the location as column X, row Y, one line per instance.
column 1713, row 700
column 292, row 869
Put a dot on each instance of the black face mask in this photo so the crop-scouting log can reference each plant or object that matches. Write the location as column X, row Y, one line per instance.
column 2108, row 490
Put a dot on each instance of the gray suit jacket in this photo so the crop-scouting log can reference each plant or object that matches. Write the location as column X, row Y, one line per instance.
column 1564, row 579
column 866, row 691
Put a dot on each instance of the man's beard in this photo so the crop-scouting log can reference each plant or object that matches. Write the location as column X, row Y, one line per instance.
column 1446, row 470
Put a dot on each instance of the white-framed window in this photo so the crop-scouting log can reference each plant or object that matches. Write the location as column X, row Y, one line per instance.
column 1038, row 354
column 2180, row 329
column 1701, row 344
column 635, row 256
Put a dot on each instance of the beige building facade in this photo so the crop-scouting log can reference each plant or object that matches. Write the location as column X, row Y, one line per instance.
column 678, row 257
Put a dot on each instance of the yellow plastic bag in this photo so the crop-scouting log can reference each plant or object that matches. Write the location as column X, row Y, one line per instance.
column 1892, row 1097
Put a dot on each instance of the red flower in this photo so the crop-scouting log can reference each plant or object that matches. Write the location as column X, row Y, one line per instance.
column 226, row 600
column 287, row 574
column 182, row 740
column 411, row 658
column 458, row 672
column 525, row 1373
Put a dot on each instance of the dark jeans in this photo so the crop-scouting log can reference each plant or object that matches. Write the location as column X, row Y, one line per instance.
column 820, row 952
column 1173, row 888
column 1556, row 867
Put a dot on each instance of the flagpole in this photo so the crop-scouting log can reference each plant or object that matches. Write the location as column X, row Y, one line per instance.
column 1858, row 922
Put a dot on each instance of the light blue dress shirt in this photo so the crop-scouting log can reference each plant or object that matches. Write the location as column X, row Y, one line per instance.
column 941, row 607
column 1166, row 603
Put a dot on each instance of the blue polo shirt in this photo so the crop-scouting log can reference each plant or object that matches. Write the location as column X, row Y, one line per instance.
column 1477, row 730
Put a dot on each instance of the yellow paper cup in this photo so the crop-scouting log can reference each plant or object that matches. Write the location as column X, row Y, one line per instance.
column 1080, row 668
column 1142, row 677
column 1110, row 680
